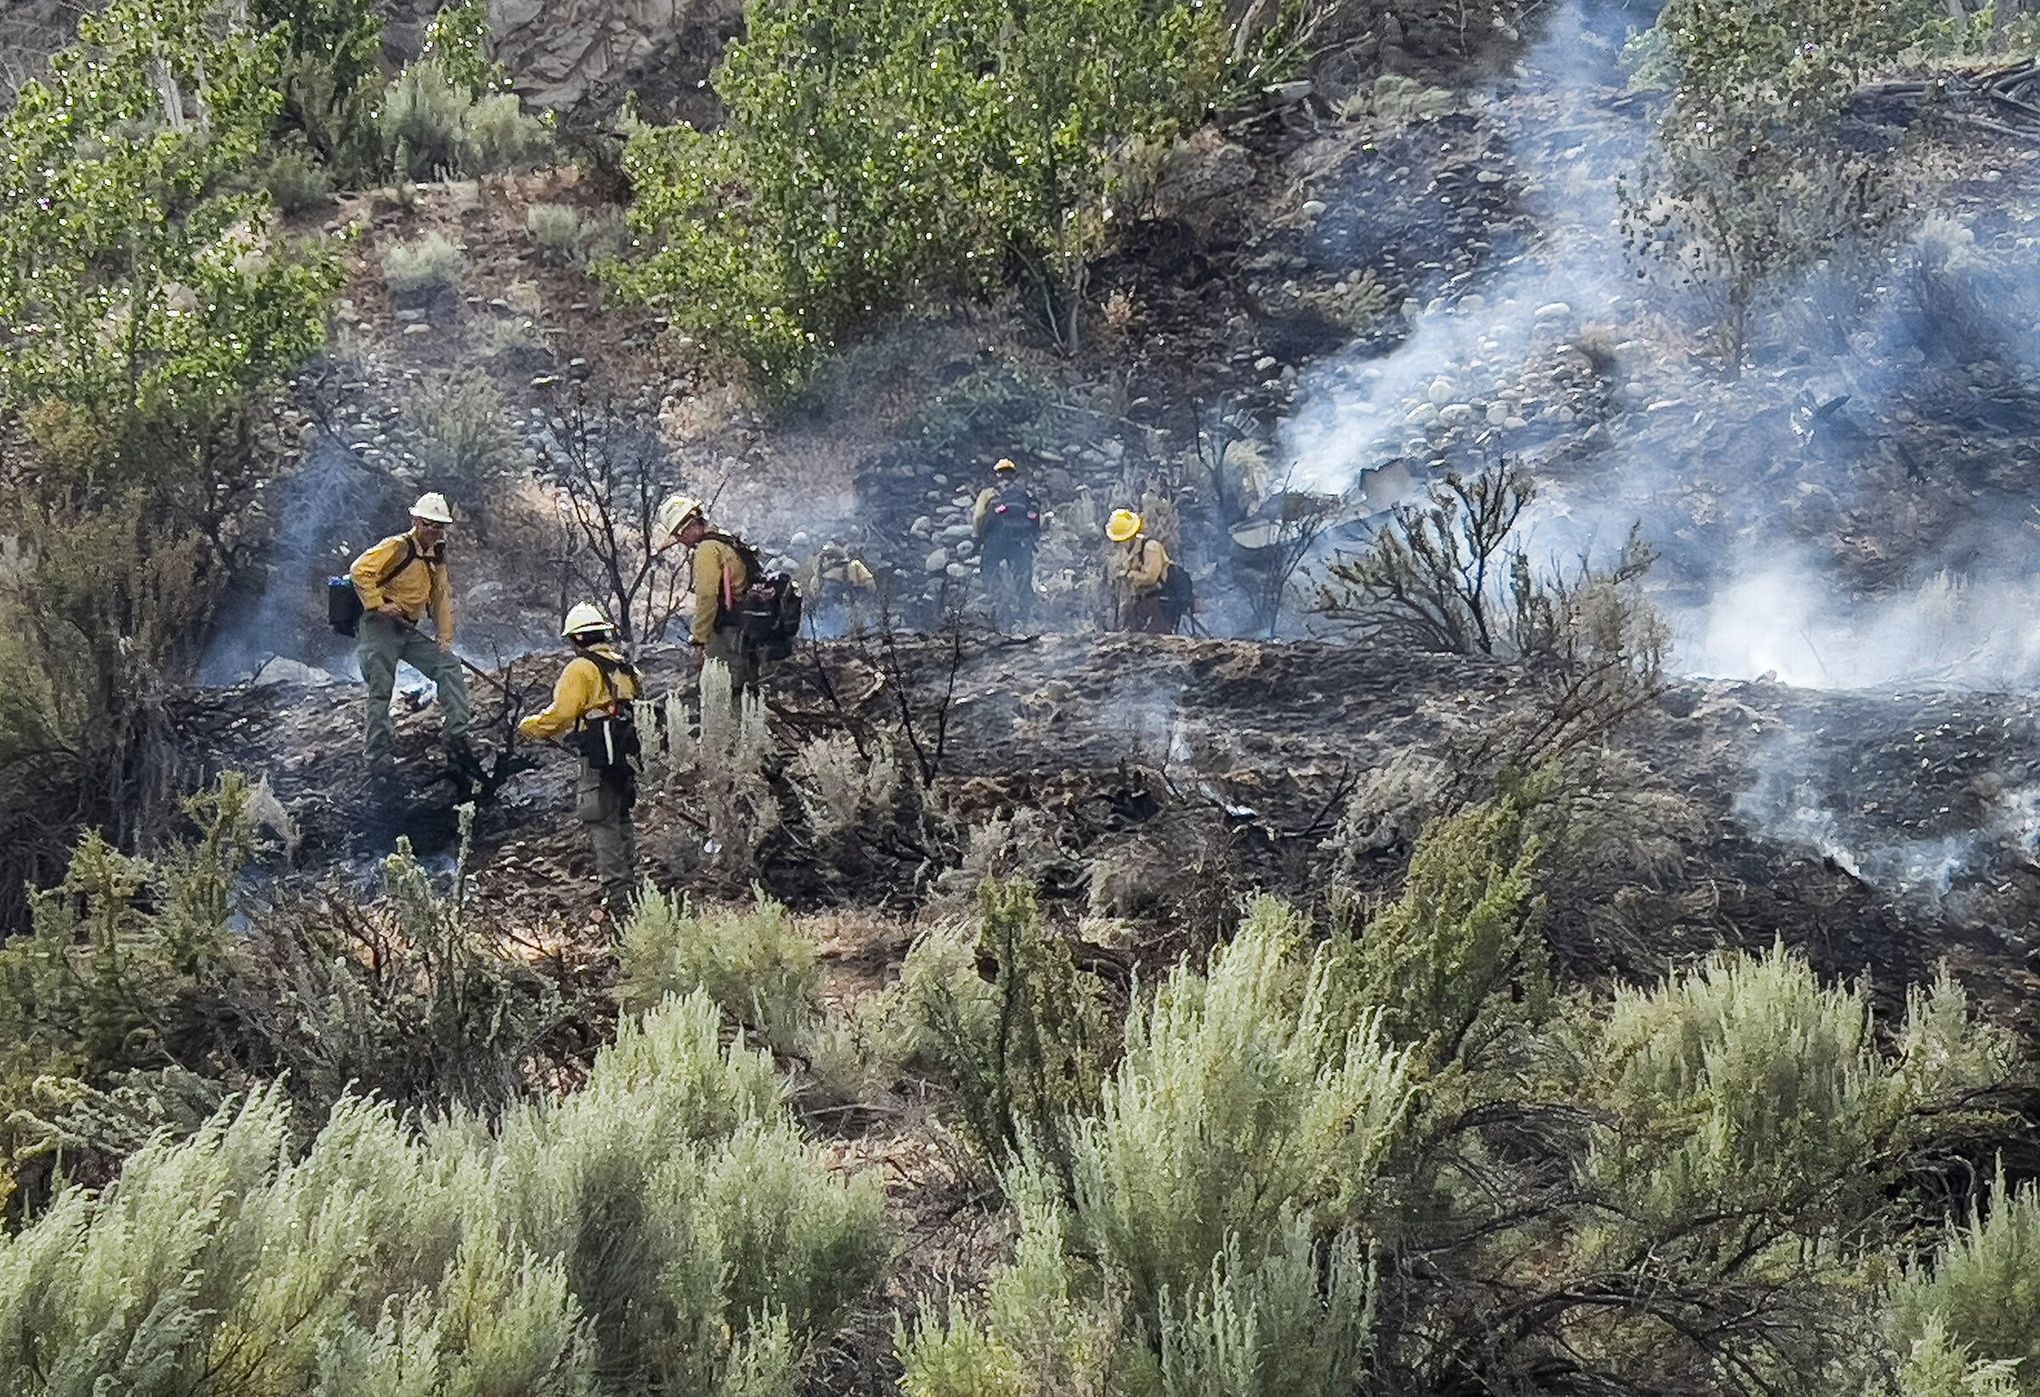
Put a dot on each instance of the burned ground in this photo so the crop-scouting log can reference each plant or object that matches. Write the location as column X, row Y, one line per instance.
column 1170, row 778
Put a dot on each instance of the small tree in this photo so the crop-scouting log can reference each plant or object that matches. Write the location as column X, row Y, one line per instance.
column 144, row 304
column 1750, row 181
column 1435, row 577
column 610, row 475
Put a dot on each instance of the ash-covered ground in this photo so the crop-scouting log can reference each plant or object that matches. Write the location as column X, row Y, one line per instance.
column 1168, row 779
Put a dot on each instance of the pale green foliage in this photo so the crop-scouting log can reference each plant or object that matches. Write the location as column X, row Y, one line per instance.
column 1208, row 1226
column 555, row 229
column 880, row 154
column 1935, row 1366
column 466, row 441
column 842, row 789
column 1273, row 1327
column 339, row 1262
column 296, row 182
column 427, row 264
column 684, row 1202
column 1457, row 964
column 437, row 124
column 1746, row 1088
column 1979, row 1297
column 1244, row 1094
column 757, row 963
column 497, row 136
column 663, row 1226
column 724, row 762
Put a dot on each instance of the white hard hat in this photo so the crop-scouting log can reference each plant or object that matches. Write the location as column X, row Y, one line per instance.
column 585, row 617
column 432, row 506
column 674, row 512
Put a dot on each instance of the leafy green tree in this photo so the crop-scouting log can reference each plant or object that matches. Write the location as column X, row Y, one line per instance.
column 879, row 155
column 332, row 78
column 1751, row 182
column 145, row 301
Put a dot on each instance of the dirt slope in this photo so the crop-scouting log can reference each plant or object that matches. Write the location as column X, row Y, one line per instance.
column 1173, row 776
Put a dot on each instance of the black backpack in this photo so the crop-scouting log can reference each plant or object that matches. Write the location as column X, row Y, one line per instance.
column 609, row 740
column 767, row 612
column 343, row 604
column 1177, row 593
column 1014, row 510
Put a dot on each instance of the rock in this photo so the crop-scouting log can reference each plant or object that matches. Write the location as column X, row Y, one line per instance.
column 1497, row 414
column 1457, row 414
column 936, row 561
column 1440, row 392
column 1265, row 363
column 1313, row 208
column 922, row 527
column 279, row 670
column 1422, row 415
column 417, row 329
column 957, row 572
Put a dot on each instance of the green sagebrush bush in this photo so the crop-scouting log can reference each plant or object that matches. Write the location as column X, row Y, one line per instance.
column 424, row 265
column 762, row 968
column 1401, row 1152
column 132, row 1005
column 664, row 1228
column 1206, row 1245
column 435, row 126
column 1746, row 1088
column 452, row 112
column 1977, row 1303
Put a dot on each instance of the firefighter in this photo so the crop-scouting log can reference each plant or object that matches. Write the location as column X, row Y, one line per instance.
column 1139, row 570
column 838, row 580
column 591, row 702
column 1007, row 522
column 399, row 580
column 724, row 568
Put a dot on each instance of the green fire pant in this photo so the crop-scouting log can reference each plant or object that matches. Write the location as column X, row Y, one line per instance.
column 728, row 645
column 603, row 801
column 382, row 645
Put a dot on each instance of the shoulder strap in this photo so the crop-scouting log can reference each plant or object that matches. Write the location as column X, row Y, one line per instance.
column 608, row 669
column 748, row 556
column 410, row 557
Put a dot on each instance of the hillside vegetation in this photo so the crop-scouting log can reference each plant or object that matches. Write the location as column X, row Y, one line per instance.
column 1430, row 1088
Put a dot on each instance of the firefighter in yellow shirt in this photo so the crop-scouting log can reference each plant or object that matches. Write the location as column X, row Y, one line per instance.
column 1139, row 568
column 591, row 702
column 724, row 568
column 400, row 581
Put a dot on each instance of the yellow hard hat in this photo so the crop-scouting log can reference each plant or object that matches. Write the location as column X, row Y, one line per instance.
column 1123, row 525
column 1005, row 464
column 585, row 617
column 860, row 575
column 673, row 514
column 431, row 507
